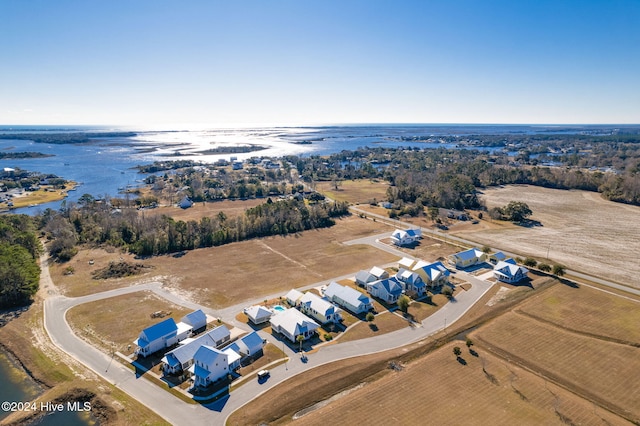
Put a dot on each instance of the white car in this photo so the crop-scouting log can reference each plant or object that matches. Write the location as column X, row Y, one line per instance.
column 262, row 374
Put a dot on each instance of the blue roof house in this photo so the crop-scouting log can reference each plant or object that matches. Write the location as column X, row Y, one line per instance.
column 157, row 337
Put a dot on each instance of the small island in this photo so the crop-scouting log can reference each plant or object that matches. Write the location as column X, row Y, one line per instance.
column 20, row 155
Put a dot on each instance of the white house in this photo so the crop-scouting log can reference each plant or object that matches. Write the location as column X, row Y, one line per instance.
column 157, row 337
column 406, row 263
column 209, row 365
column 379, row 273
column 249, row 344
column 181, row 358
column 293, row 297
column 347, row 297
column 467, row 258
column 433, row 274
column 319, row 309
column 258, row 314
column 404, row 238
column 411, row 281
column 220, row 335
column 509, row 272
column 365, row 277
column 388, row 289
column 292, row 323
column 196, row 319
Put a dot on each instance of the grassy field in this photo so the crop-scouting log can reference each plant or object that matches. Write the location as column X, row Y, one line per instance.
column 440, row 390
column 355, row 191
column 384, row 323
column 588, row 311
column 114, row 323
column 595, row 368
column 579, row 229
column 230, row 208
column 225, row 275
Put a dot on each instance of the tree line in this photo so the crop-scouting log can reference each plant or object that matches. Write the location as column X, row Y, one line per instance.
column 19, row 270
column 152, row 234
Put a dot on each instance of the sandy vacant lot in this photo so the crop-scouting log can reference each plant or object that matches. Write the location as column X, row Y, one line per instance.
column 579, row 229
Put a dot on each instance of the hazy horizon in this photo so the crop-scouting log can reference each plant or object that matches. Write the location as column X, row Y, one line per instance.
column 285, row 62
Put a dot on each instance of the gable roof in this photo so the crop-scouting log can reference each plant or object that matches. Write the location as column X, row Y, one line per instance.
column 406, row 262
column 252, row 340
column 186, row 352
column 409, row 277
column 433, row 270
column 469, row 254
column 220, row 332
column 390, row 286
column 196, row 319
column 294, row 322
column 365, row 277
column 378, row 272
column 294, row 295
column 209, row 355
column 349, row 295
column 317, row 303
column 159, row 330
column 509, row 269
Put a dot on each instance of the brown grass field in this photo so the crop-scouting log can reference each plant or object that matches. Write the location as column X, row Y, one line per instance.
column 588, row 311
column 225, row 275
column 441, row 391
column 231, row 208
column 384, row 323
column 114, row 323
column 580, row 230
column 355, row 191
column 597, row 369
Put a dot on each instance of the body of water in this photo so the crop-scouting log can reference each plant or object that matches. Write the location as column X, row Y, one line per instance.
column 16, row 386
column 107, row 164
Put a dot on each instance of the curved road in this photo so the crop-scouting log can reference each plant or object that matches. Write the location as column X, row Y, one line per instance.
column 452, row 238
column 176, row 411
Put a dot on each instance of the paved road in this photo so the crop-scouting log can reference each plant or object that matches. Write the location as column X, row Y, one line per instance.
column 452, row 238
column 177, row 412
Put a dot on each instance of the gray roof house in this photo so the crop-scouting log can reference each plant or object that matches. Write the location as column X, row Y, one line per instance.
column 319, row 309
column 196, row 319
column 349, row 298
column 181, row 358
column 292, row 323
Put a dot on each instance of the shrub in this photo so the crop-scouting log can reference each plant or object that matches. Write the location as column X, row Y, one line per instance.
column 370, row 317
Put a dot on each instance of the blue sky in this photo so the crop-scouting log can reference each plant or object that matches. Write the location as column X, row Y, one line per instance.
column 226, row 63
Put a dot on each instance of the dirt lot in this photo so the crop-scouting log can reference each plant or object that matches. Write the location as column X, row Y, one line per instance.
column 229, row 274
column 114, row 323
column 231, row 208
column 444, row 391
column 579, row 229
column 355, row 191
